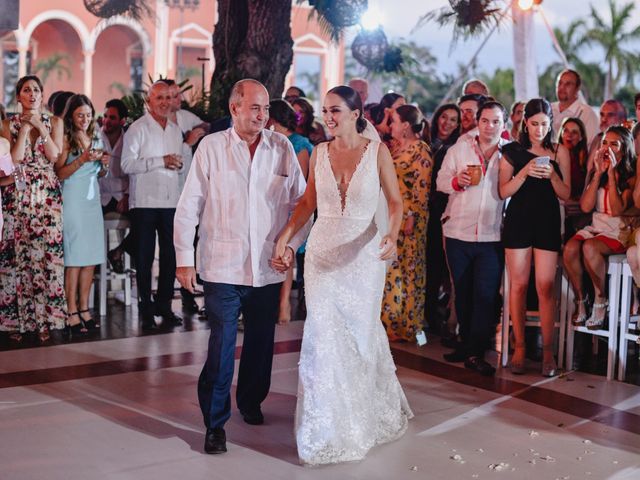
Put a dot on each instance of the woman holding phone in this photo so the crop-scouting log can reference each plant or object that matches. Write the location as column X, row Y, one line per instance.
column 535, row 173
column 609, row 189
column 79, row 166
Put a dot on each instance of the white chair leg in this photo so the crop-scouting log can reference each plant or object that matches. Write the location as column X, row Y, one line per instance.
column 614, row 315
column 625, row 306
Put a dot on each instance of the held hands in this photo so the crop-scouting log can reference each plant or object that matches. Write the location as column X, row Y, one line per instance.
column 282, row 257
column 187, row 278
column 173, row 161
column 388, row 248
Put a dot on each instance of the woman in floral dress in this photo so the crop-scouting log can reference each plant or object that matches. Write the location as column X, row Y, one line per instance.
column 403, row 303
column 31, row 257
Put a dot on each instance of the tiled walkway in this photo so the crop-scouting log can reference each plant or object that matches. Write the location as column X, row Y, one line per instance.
column 125, row 408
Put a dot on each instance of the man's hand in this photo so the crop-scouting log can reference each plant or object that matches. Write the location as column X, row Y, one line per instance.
column 187, row 278
column 173, row 161
column 282, row 257
column 193, row 136
column 123, row 204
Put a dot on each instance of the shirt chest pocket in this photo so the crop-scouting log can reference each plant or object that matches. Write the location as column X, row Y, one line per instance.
column 276, row 191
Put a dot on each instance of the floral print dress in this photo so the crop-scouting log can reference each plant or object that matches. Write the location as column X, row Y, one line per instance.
column 404, row 290
column 32, row 295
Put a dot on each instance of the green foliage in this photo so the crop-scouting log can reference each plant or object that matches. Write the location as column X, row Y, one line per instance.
column 334, row 16
column 470, row 18
column 420, row 81
column 58, row 63
column 614, row 38
column 501, row 85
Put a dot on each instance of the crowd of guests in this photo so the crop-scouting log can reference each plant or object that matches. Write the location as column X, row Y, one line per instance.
column 483, row 187
column 60, row 172
column 491, row 188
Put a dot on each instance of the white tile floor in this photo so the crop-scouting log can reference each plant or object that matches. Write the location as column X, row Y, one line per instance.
column 145, row 423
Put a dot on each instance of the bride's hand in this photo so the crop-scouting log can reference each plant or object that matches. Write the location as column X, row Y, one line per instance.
column 388, row 248
column 282, row 256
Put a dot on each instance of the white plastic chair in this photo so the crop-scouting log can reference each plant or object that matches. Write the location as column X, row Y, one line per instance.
column 614, row 270
column 627, row 321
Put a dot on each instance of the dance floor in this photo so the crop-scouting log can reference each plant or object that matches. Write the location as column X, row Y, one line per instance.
column 125, row 407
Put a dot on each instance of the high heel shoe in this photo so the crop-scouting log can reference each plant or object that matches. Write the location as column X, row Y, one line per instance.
column 579, row 318
column 598, row 316
column 78, row 329
column 517, row 368
column 549, row 368
column 90, row 324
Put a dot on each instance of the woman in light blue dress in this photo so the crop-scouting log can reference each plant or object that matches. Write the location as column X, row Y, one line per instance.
column 81, row 163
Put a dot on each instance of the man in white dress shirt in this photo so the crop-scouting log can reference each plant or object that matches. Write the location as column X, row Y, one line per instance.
column 243, row 184
column 193, row 129
column 114, row 188
column 569, row 104
column 151, row 156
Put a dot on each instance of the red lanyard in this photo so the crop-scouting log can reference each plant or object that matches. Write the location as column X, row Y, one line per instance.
column 483, row 162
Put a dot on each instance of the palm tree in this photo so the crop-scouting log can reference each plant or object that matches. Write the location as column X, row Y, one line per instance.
column 571, row 40
column 613, row 38
column 57, row 62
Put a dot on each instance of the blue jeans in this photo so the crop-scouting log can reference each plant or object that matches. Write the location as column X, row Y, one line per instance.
column 223, row 304
column 476, row 270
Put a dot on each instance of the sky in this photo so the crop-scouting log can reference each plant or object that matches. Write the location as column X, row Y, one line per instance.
column 399, row 17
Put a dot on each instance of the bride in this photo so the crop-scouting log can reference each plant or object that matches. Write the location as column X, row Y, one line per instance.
column 349, row 398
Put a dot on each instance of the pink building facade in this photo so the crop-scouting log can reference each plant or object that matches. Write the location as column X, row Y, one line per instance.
column 71, row 49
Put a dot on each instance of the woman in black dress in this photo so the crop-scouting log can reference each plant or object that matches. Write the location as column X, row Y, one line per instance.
column 535, row 173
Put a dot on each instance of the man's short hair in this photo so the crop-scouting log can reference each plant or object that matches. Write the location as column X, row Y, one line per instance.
column 237, row 91
column 574, row 73
column 619, row 106
column 358, row 79
column 474, row 97
column 476, row 83
column 491, row 104
column 123, row 111
column 168, row 81
column 636, row 99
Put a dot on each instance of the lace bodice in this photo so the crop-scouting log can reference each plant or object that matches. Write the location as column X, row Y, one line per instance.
column 361, row 196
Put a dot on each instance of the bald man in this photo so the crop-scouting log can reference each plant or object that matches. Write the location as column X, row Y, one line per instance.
column 243, row 184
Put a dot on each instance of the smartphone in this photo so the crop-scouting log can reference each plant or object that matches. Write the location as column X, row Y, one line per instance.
column 543, row 161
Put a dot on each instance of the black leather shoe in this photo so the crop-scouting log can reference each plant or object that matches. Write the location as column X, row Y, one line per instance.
column 189, row 304
column 171, row 319
column 215, row 441
column 147, row 322
column 456, row 356
column 479, row 365
column 253, row 418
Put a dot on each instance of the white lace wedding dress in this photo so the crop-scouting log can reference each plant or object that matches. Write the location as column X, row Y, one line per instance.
column 349, row 398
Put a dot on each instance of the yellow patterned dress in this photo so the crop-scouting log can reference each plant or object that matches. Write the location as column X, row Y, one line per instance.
column 403, row 302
